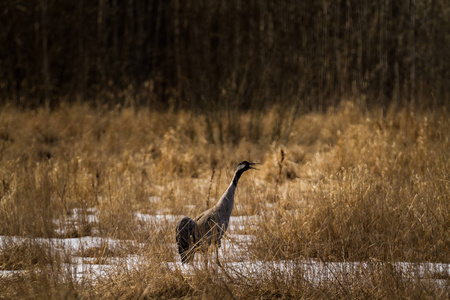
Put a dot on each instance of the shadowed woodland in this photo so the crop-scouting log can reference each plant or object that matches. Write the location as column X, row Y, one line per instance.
column 221, row 54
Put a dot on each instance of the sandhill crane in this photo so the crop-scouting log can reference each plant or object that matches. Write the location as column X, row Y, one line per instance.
column 208, row 227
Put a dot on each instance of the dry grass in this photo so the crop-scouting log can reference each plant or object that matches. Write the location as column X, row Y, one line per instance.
column 346, row 185
column 380, row 192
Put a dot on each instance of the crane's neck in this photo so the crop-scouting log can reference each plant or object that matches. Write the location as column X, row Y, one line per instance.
column 226, row 202
column 236, row 177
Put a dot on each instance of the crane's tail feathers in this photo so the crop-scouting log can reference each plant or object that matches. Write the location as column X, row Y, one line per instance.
column 185, row 236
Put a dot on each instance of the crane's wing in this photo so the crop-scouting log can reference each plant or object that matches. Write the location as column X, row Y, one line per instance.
column 209, row 227
column 185, row 236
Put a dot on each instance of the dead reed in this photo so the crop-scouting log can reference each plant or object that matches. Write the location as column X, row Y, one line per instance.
column 348, row 185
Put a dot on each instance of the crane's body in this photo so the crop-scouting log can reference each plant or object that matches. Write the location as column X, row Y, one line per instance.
column 208, row 227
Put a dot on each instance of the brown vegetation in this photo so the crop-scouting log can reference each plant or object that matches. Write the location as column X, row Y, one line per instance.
column 347, row 185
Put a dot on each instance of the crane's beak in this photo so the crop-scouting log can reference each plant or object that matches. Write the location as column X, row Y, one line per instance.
column 252, row 164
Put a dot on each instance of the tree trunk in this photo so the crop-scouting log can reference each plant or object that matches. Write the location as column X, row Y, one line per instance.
column 45, row 63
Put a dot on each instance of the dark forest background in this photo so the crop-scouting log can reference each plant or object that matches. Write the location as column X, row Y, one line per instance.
column 245, row 54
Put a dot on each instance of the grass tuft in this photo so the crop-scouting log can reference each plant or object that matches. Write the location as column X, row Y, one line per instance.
column 350, row 185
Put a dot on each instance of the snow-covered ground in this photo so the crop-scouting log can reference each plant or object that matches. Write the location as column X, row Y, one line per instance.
column 234, row 256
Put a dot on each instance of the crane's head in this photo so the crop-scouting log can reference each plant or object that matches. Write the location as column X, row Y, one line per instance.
column 241, row 168
column 245, row 165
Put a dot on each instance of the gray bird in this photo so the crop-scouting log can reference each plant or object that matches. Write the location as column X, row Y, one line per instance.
column 208, row 227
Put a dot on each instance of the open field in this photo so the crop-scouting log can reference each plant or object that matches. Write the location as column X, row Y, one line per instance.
column 350, row 203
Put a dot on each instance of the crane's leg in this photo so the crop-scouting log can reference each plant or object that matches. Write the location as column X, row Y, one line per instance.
column 205, row 254
column 205, row 259
column 217, row 256
column 219, row 265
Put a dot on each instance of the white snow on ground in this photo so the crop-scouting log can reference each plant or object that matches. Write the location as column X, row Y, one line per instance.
column 316, row 271
column 85, row 268
column 75, row 219
column 70, row 245
column 157, row 219
column 234, row 256
column 242, row 223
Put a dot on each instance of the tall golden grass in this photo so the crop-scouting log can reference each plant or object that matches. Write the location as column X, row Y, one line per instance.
column 350, row 184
